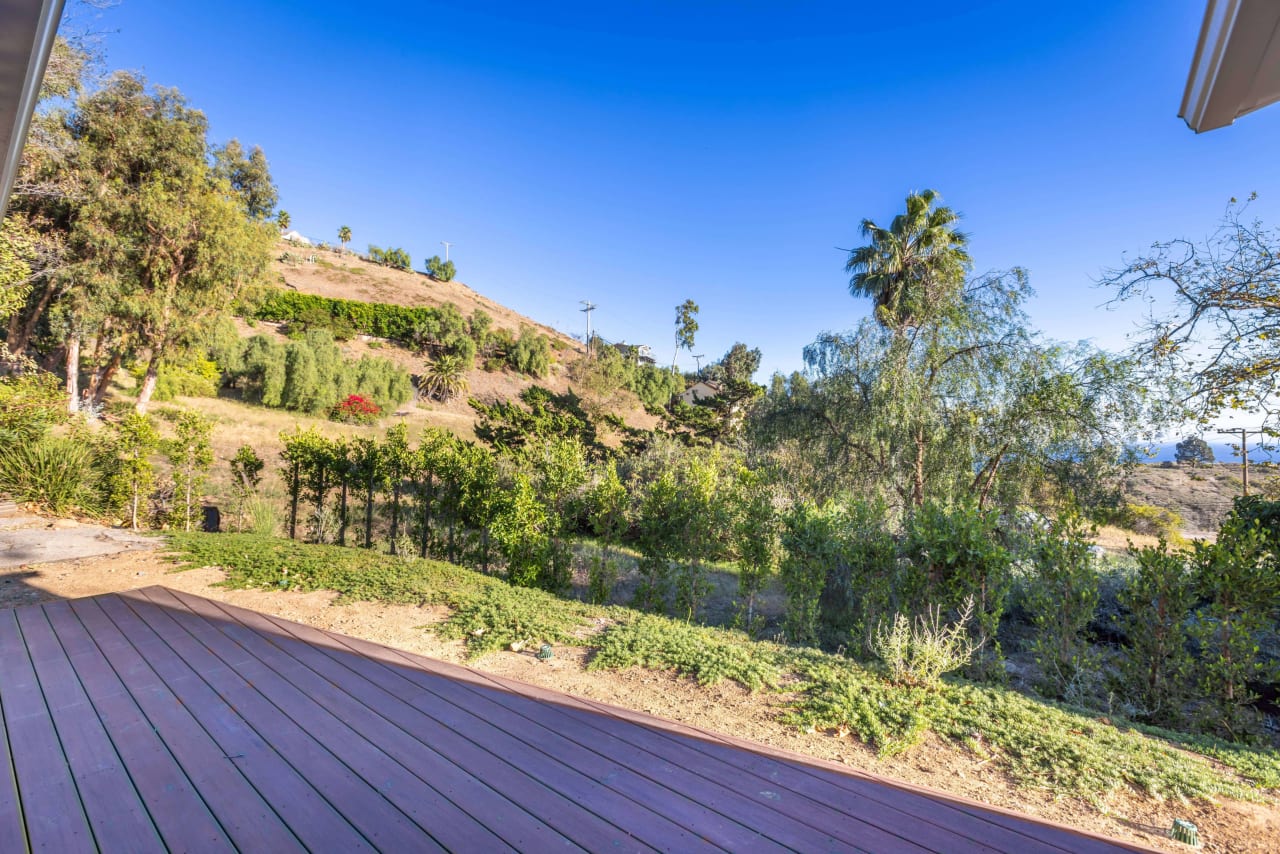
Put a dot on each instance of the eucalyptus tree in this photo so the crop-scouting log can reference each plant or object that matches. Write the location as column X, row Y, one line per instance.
column 248, row 176
column 686, row 328
column 912, row 268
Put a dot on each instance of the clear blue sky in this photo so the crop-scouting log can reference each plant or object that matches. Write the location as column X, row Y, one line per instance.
column 637, row 154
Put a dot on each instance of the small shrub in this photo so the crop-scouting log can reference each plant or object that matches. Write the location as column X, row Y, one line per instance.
column 1152, row 521
column 501, row 616
column 602, row 575
column 708, row 655
column 919, row 654
column 262, row 515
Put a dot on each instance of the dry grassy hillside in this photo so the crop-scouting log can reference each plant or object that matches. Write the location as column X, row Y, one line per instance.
column 347, row 276
column 1200, row 495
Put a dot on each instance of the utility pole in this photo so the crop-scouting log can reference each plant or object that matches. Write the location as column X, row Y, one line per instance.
column 1243, row 433
column 698, row 361
column 446, row 245
column 589, row 307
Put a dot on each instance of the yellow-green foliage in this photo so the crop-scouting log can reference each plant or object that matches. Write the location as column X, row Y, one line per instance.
column 1152, row 521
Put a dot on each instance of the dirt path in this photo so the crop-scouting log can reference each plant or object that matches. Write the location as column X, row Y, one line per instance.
column 1224, row 826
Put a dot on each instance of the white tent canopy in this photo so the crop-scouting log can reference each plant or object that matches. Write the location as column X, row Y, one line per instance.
column 1236, row 68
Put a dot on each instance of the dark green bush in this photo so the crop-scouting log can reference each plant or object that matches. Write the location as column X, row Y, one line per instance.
column 59, row 474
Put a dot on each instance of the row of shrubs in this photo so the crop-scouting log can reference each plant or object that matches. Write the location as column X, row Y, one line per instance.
column 436, row 331
column 307, row 374
column 848, row 576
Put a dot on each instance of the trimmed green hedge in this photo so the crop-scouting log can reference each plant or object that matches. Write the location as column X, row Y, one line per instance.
column 383, row 320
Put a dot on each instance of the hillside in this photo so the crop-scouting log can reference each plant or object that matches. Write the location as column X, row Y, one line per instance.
column 1202, row 495
column 339, row 275
column 348, row 276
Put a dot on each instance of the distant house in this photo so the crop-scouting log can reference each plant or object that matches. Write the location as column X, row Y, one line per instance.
column 295, row 237
column 641, row 354
column 701, row 390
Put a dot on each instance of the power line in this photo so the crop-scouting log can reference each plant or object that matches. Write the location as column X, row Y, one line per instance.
column 1244, row 433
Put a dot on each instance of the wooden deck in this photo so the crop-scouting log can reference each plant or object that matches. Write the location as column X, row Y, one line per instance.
column 154, row 720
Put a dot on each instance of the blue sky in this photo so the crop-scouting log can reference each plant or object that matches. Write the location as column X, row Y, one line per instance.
column 638, row 154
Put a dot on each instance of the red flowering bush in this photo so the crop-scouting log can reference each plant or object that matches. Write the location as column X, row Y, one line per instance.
column 356, row 410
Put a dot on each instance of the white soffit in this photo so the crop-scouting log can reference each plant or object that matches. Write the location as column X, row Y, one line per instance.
column 1236, row 68
column 27, row 28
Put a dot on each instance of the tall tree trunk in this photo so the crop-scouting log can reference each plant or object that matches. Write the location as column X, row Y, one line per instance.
column 917, row 482
column 395, row 515
column 295, row 486
column 342, row 514
column 73, row 373
column 148, row 384
column 368, row 513
column 22, row 327
column 101, row 379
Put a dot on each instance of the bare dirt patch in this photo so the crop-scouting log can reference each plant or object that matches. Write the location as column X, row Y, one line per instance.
column 727, row 707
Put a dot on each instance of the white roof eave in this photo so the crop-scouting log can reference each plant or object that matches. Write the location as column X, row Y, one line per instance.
column 1236, row 67
column 27, row 29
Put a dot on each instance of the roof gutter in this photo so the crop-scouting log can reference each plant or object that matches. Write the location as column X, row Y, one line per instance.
column 27, row 30
column 1236, row 67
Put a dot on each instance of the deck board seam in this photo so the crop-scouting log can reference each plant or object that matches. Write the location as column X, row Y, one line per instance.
column 249, row 781
column 479, row 745
column 265, row 737
column 13, row 776
column 62, row 750
column 586, row 747
column 106, row 732
column 357, row 701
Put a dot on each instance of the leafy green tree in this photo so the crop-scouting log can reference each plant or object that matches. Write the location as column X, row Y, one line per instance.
column 1193, row 450
column 344, row 236
column 246, row 476
column 298, row 455
column 366, row 469
column 811, row 544
column 249, row 177
column 755, row 529
column 397, row 466
column 161, row 245
column 443, row 271
column 133, row 439
column 17, row 249
column 1157, row 665
column 608, row 502
column 1061, row 597
column 481, row 495
column 520, row 531
column 531, row 353
column 972, row 405
column 913, row 268
column 283, row 220
column 954, row 554
column 1238, row 577
column 686, row 328
column 190, row 452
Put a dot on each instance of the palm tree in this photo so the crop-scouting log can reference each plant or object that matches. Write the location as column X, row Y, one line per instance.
column 344, row 237
column 282, row 220
column 913, row 267
column 445, row 378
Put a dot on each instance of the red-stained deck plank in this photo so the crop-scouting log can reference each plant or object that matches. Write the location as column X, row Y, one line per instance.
column 354, row 809
column 569, row 772
column 53, row 813
column 919, row 804
column 115, row 809
column 180, row 813
column 192, row 705
column 132, row 696
column 406, row 766
column 707, row 807
column 310, row 818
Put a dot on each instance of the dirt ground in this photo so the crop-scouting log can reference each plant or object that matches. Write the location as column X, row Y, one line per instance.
column 1224, row 825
